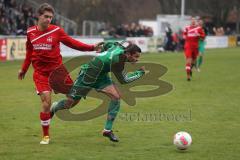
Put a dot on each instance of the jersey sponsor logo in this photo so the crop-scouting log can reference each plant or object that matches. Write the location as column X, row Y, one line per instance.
column 193, row 35
column 42, row 46
column 49, row 39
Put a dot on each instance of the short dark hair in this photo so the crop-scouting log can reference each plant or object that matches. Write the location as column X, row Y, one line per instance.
column 45, row 7
column 132, row 48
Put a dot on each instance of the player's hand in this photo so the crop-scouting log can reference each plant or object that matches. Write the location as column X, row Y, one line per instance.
column 98, row 47
column 143, row 68
column 21, row 75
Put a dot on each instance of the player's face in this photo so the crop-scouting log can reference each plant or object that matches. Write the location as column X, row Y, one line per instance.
column 193, row 22
column 45, row 19
column 133, row 58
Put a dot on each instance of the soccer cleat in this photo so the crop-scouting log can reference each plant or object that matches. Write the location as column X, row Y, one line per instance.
column 52, row 109
column 110, row 135
column 198, row 69
column 45, row 140
column 188, row 79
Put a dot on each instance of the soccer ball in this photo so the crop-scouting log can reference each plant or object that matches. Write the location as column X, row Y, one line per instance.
column 182, row 140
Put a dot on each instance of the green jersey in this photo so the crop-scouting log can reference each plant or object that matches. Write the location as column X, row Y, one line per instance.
column 104, row 60
column 201, row 46
column 110, row 60
column 95, row 73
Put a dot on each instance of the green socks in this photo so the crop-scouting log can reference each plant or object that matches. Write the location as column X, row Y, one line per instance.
column 113, row 109
column 199, row 61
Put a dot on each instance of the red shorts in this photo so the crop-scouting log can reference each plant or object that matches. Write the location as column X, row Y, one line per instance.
column 42, row 82
column 191, row 53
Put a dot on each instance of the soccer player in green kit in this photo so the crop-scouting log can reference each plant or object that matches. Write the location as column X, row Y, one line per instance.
column 95, row 75
column 201, row 46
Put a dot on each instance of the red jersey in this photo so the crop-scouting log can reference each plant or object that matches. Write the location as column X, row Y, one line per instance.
column 43, row 48
column 192, row 34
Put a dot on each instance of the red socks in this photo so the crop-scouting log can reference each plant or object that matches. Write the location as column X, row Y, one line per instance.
column 45, row 122
column 188, row 69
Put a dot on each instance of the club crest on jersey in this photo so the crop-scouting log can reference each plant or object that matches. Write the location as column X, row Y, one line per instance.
column 49, row 39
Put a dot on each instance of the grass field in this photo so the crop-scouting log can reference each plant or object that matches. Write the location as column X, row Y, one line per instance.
column 210, row 103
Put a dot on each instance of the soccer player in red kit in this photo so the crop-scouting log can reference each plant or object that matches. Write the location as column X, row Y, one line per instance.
column 43, row 52
column 192, row 34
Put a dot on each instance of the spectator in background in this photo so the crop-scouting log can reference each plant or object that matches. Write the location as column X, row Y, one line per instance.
column 12, row 50
column 175, row 41
column 180, row 45
column 121, row 30
column 1, row 10
column 140, row 31
column 168, row 39
column 228, row 31
column 15, row 18
column 21, row 28
column 218, row 31
column 5, row 27
column 127, row 30
column 149, row 32
column 20, row 16
column 2, row 29
column 112, row 32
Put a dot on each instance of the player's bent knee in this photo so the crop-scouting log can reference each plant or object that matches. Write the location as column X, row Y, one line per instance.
column 46, row 106
column 116, row 97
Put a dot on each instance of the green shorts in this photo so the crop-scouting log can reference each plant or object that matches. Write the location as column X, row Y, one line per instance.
column 83, row 85
column 201, row 46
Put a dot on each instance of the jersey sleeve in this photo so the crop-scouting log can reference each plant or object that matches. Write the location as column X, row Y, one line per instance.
column 201, row 33
column 72, row 43
column 124, row 77
column 27, row 61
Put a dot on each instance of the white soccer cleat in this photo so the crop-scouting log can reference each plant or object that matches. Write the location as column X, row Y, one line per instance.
column 53, row 106
column 52, row 109
column 45, row 140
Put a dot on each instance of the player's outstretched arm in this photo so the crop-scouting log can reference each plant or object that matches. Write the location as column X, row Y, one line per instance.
column 72, row 43
column 124, row 77
column 202, row 34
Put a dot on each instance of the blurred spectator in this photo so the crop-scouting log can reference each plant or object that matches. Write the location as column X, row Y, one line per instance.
column 169, row 46
column 122, row 30
column 15, row 18
column 21, row 28
column 180, row 45
column 112, row 32
column 127, row 30
column 229, row 31
column 175, row 40
column 218, row 31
